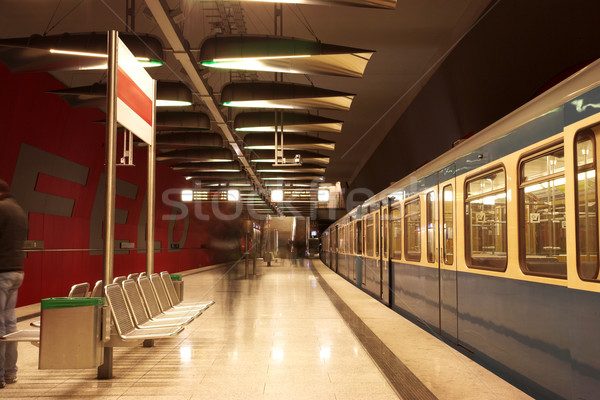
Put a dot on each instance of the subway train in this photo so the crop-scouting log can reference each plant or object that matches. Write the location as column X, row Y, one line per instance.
column 493, row 246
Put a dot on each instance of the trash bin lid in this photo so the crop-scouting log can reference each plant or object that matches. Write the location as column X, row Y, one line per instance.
column 176, row 277
column 68, row 302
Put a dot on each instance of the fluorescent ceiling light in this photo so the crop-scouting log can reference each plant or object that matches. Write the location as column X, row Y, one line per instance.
column 256, row 104
column 269, row 121
column 282, row 54
column 386, row 4
column 187, row 195
column 284, row 95
column 74, row 51
column 277, row 195
column 144, row 61
column 233, row 195
column 263, row 141
column 323, row 195
column 172, row 103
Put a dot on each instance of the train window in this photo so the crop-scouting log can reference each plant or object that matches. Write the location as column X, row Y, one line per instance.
column 430, row 209
column 377, row 234
column 412, row 230
column 385, row 232
column 369, row 233
column 485, row 221
column 543, row 241
column 448, row 211
column 396, row 226
column 587, row 207
column 358, row 236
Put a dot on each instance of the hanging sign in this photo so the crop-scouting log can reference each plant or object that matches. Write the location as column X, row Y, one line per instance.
column 135, row 96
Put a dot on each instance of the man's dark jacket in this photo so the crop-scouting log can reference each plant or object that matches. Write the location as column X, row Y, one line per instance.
column 13, row 231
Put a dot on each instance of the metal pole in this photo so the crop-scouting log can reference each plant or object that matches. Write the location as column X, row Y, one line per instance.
column 151, row 195
column 276, row 145
column 105, row 370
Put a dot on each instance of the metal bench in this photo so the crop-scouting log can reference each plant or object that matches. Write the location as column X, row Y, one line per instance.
column 79, row 290
column 123, row 321
column 119, row 279
column 154, row 307
column 139, row 309
column 163, row 298
column 32, row 336
column 133, row 276
column 174, row 298
column 97, row 290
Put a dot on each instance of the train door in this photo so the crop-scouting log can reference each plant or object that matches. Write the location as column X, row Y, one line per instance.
column 447, row 260
column 336, row 249
column 385, row 260
column 358, row 267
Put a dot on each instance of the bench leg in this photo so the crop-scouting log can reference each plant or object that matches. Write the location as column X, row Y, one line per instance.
column 105, row 371
column 148, row 343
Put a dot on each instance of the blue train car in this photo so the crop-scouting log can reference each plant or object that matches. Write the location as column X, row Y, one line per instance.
column 494, row 244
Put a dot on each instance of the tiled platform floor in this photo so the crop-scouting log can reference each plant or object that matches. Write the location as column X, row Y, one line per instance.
column 274, row 336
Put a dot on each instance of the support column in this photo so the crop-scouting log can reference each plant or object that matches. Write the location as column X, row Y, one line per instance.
column 105, row 370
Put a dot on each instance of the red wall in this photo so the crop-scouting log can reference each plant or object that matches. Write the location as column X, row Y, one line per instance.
column 30, row 116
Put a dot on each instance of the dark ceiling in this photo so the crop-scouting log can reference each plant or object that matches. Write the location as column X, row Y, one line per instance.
column 410, row 42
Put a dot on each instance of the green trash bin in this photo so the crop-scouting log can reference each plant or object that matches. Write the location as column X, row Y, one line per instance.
column 70, row 333
column 177, row 280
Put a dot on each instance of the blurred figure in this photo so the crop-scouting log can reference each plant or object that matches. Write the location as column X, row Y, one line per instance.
column 13, row 230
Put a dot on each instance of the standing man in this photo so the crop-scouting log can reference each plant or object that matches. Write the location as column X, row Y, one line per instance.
column 13, row 231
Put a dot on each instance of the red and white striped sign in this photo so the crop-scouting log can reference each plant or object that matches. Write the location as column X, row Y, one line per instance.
column 135, row 96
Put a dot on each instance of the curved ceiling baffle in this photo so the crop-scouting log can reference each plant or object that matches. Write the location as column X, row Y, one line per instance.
column 284, row 95
column 264, row 141
column 168, row 94
column 197, row 154
column 233, row 166
column 290, row 122
column 181, row 52
column 283, row 54
column 385, row 4
column 73, row 51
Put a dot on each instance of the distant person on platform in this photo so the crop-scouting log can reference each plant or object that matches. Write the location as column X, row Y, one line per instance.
column 13, row 230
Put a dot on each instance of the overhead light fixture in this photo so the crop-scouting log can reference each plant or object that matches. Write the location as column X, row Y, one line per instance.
column 74, row 51
column 182, row 120
column 240, row 183
column 172, row 94
column 265, row 141
column 216, row 176
column 187, row 195
column 189, row 139
column 233, row 195
column 283, row 95
column 385, row 4
column 276, row 195
column 282, row 54
column 304, row 169
column 207, row 167
column 308, row 157
column 177, row 121
column 167, row 94
column 305, row 184
column 314, row 178
column 290, row 122
column 200, row 155
column 323, row 195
